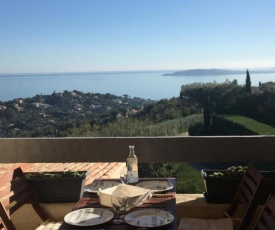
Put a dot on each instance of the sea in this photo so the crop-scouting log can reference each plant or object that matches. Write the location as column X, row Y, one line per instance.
column 143, row 84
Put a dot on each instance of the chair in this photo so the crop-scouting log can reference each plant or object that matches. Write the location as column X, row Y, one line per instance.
column 247, row 195
column 266, row 220
column 15, row 192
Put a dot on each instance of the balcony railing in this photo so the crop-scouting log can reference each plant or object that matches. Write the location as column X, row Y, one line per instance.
column 148, row 149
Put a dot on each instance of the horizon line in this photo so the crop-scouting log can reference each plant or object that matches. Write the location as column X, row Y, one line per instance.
column 125, row 71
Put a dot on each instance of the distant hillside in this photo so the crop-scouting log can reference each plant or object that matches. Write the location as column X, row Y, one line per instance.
column 213, row 72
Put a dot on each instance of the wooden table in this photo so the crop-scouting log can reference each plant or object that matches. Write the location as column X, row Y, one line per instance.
column 163, row 201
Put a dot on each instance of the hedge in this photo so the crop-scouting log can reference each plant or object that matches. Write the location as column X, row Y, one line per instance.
column 239, row 125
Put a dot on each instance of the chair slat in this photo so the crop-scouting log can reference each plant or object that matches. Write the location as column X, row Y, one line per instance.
column 15, row 192
column 250, row 183
column 247, row 195
column 5, row 221
column 266, row 220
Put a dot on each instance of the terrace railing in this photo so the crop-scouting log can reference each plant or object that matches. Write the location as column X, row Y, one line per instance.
column 148, row 149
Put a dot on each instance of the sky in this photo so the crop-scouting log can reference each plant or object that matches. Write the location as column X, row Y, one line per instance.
column 117, row 35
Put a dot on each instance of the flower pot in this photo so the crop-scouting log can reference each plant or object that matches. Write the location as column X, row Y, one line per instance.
column 219, row 189
column 223, row 189
column 57, row 188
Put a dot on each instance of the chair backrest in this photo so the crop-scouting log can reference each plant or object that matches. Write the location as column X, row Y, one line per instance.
column 247, row 195
column 266, row 220
column 15, row 191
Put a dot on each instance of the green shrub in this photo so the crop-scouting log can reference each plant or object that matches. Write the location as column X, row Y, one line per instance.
column 232, row 171
column 65, row 174
column 189, row 180
column 157, row 169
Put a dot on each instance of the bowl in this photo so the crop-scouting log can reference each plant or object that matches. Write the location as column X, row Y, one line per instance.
column 138, row 195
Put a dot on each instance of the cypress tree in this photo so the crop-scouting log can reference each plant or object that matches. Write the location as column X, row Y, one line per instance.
column 206, row 111
column 247, row 82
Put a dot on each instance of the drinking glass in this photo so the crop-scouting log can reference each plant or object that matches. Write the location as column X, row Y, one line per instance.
column 124, row 175
column 124, row 201
column 120, row 200
column 116, row 207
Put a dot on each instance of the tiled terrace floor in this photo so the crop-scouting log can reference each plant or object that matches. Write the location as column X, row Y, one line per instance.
column 96, row 169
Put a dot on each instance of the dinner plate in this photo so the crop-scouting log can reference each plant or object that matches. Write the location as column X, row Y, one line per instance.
column 156, row 186
column 149, row 218
column 88, row 216
column 103, row 184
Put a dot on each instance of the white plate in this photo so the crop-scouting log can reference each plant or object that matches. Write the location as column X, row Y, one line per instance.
column 148, row 218
column 88, row 216
column 93, row 187
column 156, row 186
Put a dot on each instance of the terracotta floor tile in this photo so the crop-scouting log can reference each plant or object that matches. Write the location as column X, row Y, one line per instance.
column 96, row 169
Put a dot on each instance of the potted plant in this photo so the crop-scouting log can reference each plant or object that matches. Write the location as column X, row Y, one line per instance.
column 57, row 186
column 222, row 185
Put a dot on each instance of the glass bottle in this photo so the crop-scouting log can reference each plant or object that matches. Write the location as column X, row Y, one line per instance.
column 132, row 165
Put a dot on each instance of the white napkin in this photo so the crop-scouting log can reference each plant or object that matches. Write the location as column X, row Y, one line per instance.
column 138, row 195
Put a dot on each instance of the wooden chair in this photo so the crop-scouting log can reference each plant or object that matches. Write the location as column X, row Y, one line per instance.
column 247, row 195
column 15, row 192
column 266, row 220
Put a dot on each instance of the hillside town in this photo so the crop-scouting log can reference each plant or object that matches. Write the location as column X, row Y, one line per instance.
column 46, row 115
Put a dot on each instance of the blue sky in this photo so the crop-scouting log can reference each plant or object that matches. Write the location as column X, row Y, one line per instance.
column 110, row 35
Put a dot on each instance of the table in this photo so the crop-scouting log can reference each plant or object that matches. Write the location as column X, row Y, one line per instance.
column 163, row 201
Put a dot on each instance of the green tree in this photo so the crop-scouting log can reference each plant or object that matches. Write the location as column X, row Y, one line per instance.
column 11, row 115
column 194, row 94
column 206, row 110
column 113, row 115
column 247, row 82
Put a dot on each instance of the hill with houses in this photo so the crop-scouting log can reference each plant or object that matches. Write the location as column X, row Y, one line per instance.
column 52, row 115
